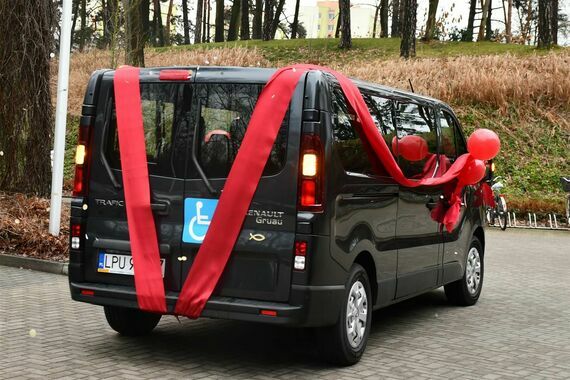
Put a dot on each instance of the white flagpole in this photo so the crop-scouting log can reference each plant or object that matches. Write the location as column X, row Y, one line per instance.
column 60, row 119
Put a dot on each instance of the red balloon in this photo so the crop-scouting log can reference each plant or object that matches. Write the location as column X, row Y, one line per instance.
column 412, row 148
column 483, row 144
column 473, row 172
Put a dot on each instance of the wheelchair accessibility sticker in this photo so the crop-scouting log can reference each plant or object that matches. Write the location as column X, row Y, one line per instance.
column 198, row 213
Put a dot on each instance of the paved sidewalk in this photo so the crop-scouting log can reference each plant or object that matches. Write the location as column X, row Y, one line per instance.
column 519, row 329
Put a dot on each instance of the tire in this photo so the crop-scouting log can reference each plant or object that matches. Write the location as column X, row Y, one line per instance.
column 131, row 322
column 335, row 345
column 502, row 213
column 462, row 292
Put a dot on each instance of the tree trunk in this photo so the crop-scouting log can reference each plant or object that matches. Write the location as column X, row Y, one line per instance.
column 234, row 21
column 158, row 27
column 276, row 18
column 244, row 29
column 468, row 36
column 545, row 13
column 185, row 22
column 384, row 18
column 198, row 26
column 75, row 11
column 345, row 34
column 376, row 12
column 408, row 23
column 554, row 20
column 295, row 23
column 145, row 14
column 257, row 32
column 509, row 21
column 430, row 24
column 488, row 27
column 267, row 19
column 219, row 34
column 83, row 31
column 483, row 24
column 134, row 33
column 168, row 21
column 395, row 32
column 205, row 21
column 26, row 122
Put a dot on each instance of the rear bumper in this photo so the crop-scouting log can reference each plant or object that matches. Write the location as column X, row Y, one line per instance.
column 308, row 305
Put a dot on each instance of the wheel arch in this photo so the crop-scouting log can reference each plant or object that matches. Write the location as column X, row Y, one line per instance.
column 366, row 260
column 479, row 233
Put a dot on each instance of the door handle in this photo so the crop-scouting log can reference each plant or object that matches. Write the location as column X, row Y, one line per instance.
column 431, row 203
column 160, row 207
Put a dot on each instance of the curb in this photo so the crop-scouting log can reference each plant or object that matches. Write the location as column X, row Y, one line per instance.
column 33, row 264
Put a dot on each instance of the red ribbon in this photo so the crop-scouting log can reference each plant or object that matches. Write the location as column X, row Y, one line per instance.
column 240, row 186
column 142, row 232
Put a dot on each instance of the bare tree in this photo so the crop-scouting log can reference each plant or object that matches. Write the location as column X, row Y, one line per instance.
column 26, row 41
column 468, row 36
column 157, row 22
column 483, row 24
column 168, row 22
column 198, row 26
column 267, row 18
column 395, row 31
column 276, row 18
column 545, row 16
column 384, row 18
column 233, row 29
column 295, row 23
column 375, row 23
column 257, row 32
column 408, row 24
column 488, row 26
column 430, row 24
column 345, row 33
column 508, row 14
column 244, row 29
column 219, row 34
column 83, row 31
column 185, row 23
column 134, row 33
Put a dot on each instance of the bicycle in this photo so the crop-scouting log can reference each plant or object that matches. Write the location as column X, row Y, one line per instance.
column 500, row 210
column 565, row 182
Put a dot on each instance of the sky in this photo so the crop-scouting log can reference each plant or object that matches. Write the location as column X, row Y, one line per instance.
column 459, row 11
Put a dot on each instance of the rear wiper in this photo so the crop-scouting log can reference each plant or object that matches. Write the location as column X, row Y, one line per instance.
column 195, row 160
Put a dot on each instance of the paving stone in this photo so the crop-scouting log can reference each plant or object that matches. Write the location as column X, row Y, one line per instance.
column 519, row 329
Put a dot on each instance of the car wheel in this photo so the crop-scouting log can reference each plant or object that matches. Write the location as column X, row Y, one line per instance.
column 344, row 343
column 131, row 322
column 466, row 291
column 502, row 207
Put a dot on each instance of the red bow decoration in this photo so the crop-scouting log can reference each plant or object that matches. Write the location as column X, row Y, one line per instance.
column 243, row 179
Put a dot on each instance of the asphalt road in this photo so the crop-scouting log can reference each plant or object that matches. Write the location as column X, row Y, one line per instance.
column 519, row 329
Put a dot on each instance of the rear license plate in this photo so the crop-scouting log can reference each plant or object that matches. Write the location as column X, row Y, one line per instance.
column 118, row 264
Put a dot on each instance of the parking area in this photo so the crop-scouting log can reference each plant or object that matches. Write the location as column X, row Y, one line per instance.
column 519, row 329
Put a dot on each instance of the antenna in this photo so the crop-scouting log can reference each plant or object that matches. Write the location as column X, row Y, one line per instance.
column 411, row 85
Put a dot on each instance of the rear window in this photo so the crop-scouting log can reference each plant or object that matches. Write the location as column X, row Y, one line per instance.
column 219, row 115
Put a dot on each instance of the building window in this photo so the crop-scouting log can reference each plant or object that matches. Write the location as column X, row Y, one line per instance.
column 330, row 28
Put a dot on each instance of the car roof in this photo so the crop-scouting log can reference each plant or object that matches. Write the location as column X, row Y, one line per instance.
column 216, row 74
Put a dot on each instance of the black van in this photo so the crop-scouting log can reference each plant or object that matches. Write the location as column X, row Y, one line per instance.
column 321, row 255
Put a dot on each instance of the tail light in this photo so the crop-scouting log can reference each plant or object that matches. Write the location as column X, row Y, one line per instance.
column 75, row 236
column 311, row 180
column 81, row 154
column 300, row 255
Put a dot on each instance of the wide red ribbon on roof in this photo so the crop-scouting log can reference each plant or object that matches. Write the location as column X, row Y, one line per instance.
column 241, row 184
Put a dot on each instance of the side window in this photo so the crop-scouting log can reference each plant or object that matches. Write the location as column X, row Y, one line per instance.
column 347, row 143
column 460, row 146
column 162, row 120
column 417, row 140
column 381, row 111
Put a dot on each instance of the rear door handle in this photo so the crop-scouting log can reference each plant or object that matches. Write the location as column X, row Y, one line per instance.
column 160, row 207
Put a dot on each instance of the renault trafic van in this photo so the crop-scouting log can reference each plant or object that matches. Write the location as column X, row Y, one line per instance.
column 321, row 247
